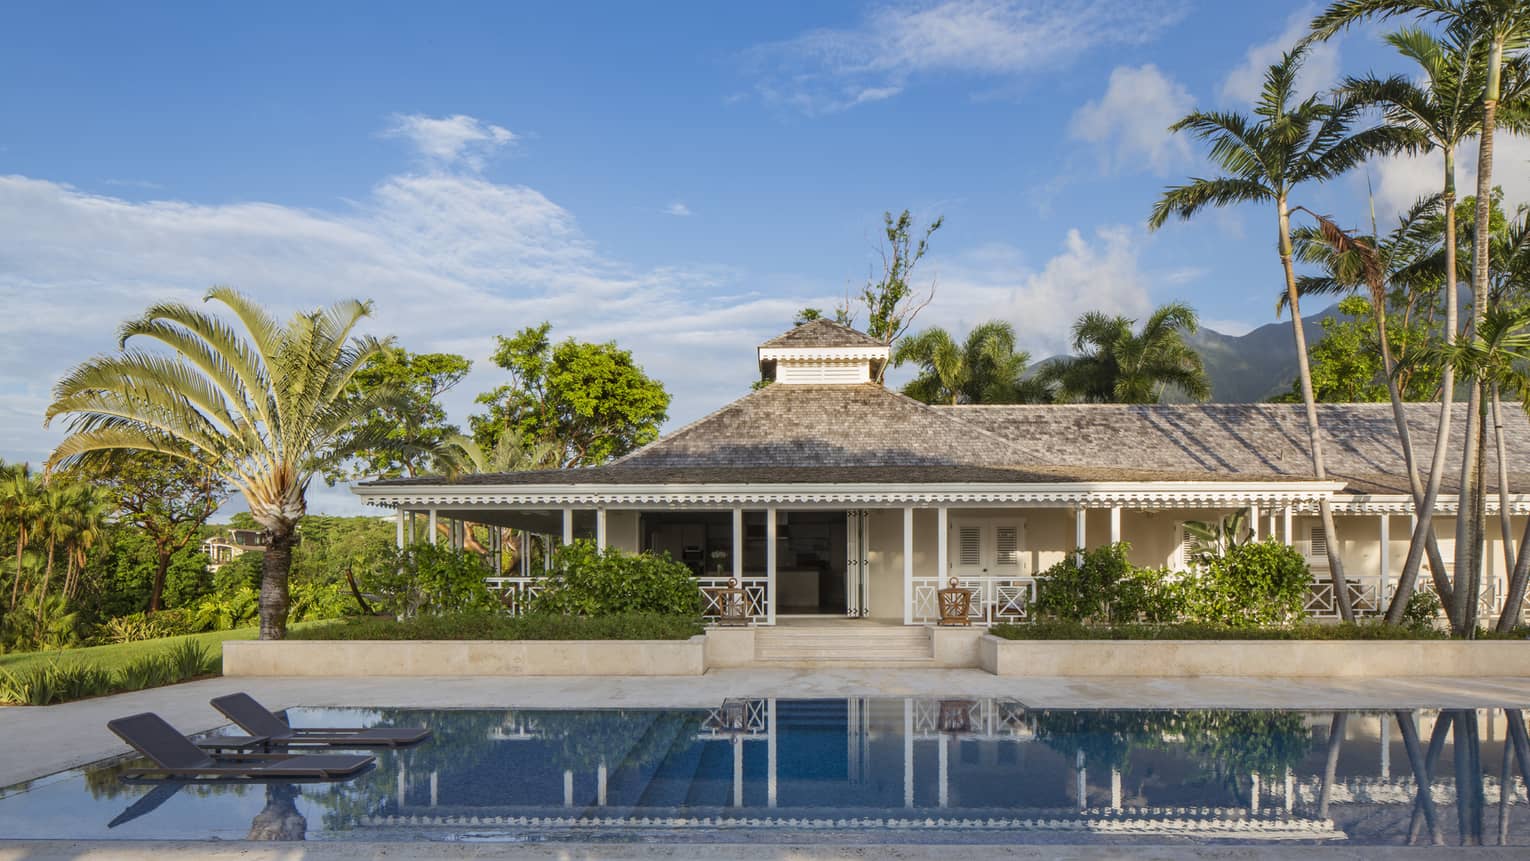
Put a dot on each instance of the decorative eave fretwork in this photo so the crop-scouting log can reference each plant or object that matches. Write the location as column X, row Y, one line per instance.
column 1139, row 495
column 1403, row 504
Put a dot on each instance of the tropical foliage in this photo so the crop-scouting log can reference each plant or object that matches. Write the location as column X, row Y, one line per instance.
column 983, row 369
column 589, row 581
column 1115, row 364
column 590, row 402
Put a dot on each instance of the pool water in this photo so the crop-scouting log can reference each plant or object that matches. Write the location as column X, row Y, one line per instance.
column 853, row 770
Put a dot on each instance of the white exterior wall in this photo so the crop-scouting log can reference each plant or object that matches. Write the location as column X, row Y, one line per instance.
column 622, row 531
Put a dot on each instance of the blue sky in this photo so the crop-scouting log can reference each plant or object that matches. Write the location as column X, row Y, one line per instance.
column 677, row 176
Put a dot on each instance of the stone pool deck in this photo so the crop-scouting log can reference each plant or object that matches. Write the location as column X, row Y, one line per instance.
column 44, row 740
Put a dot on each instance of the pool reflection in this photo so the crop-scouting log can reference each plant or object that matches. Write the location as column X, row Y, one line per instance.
column 911, row 769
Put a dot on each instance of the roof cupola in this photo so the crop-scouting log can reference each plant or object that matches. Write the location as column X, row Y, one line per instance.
column 822, row 352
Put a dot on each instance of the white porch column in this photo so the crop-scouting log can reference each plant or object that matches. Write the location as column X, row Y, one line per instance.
column 908, row 752
column 568, row 526
column 770, row 753
column 908, row 565
column 600, row 785
column 568, row 788
column 770, row 566
column 738, row 771
column 944, row 764
column 546, row 552
column 1253, row 519
column 399, row 536
column 1290, row 542
column 942, row 545
column 600, row 528
column 1253, row 793
column 1080, row 531
column 1115, row 788
column 738, row 546
column 1115, row 524
column 1081, row 773
column 432, row 526
column 1386, row 562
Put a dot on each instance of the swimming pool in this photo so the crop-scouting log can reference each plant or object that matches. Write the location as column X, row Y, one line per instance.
column 852, row 770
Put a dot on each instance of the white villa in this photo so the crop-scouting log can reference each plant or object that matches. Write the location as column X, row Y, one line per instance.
column 230, row 545
column 825, row 494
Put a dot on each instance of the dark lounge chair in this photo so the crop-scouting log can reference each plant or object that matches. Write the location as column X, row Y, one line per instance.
column 256, row 719
column 175, row 755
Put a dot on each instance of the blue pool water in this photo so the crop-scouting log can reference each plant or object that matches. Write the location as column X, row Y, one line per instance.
column 853, row 770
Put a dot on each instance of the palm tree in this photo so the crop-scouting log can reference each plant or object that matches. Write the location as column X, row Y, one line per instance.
column 1443, row 110
column 1496, row 30
column 263, row 409
column 19, row 504
column 1288, row 145
column 463, row 455
column 86, row 526
column 1117, row 365
column 1364, row 263
column 984, row 369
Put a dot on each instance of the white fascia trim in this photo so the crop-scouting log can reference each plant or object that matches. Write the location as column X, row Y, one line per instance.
column 822, row 354
column 1151, row 495
column 1403, row 504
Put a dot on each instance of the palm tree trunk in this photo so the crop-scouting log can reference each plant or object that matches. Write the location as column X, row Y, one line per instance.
column 1505, row 526
column 21, row 545
column 1473, row 493
column 1424, row 800
column 42, row 594
column 1468, row 526
column 1404, row 435
column 1423, row 531
column 1304, row 373
column 1336, row 731
column 274, row 571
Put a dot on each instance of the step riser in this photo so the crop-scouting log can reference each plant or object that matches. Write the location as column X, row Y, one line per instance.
column 897, row 647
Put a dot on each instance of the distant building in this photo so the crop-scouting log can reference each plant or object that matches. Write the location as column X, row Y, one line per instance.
column 233, row 543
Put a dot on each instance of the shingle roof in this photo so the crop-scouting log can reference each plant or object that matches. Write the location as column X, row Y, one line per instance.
column 825, row 425
column 1237, row 440
column 823, row 333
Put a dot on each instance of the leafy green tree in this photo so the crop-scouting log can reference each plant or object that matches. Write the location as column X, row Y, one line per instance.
column 265, row 409
column 1117, row 365
column 402, row 437
column 590, row 401
column 1287, row 145
column 1347, row 365
column 20, row 506
column 890, row 299
column 983, row 369
column 166, row 497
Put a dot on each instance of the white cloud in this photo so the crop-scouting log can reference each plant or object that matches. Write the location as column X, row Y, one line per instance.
column 677, row 208
column 1130, row 123
column 1090, row 273
column 457, row 140
column 450, row 259
column 1233, row 328
column 834, row 69
column 1399, row 181
column 1320, row 69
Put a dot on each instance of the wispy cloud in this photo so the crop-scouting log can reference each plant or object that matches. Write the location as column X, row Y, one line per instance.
column 1130, row 123
column 455, row 141
column 677, row 208
column 830, row 70
column 1320, row 68
column 450, row 258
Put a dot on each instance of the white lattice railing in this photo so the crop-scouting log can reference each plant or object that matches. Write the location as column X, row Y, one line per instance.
column 1365, row 596
column 514, row 593
column 994, row 599
column 756, row 597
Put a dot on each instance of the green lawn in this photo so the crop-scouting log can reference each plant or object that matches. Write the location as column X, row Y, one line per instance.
column 113, row 657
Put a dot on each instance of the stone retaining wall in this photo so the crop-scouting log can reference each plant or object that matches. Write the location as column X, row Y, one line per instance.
column 465, row 657
column 1255, row 658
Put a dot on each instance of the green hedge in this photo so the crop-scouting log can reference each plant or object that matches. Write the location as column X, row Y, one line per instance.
column 588, row 581
column 497, row 626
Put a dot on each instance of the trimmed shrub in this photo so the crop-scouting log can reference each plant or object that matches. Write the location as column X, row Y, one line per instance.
column 586, row 581
column 430, row 579
column 1067, row 630
column 1251, row 585
column 1106, row 589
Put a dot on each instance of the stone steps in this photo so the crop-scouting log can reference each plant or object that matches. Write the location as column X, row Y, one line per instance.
column 850, row 644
